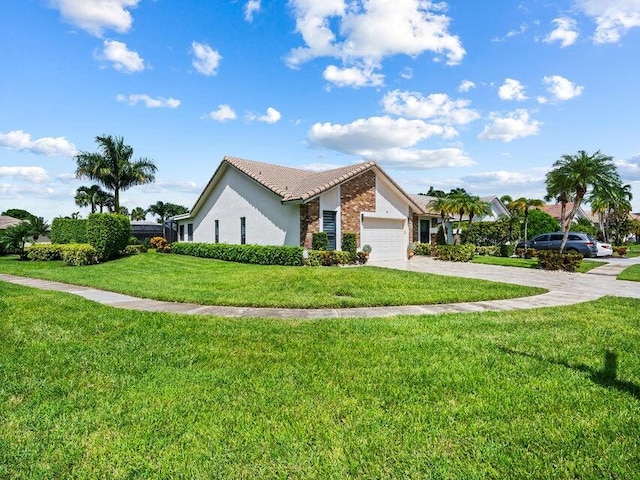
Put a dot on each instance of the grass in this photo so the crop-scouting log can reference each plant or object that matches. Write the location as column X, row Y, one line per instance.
column 585, row 266
column 211, row 282
column 630, row 273
column 633, row 250
column 90, row 391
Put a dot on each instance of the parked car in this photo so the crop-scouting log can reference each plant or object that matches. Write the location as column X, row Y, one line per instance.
column 576, row 242
column 604, row 249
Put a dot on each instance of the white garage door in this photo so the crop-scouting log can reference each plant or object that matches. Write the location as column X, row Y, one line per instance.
column 386, row 237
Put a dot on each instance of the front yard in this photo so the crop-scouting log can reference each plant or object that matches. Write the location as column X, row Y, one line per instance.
column 90, row 391
column 212, row 282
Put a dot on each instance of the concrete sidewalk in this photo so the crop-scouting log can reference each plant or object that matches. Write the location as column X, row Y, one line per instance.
column 564, row 289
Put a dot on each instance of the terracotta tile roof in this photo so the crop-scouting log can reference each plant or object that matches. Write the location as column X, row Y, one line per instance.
column 6, row 222
column 293, row 183
column 423, row 201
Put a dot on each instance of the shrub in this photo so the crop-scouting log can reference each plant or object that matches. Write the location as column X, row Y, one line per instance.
column 79, row 254
column 456, row 253
column 362, row 258
column 620, row 251
column 488, row 250
column 45, row 252
column 69, row 230
column 540, row 222
column 528, row 253
column 349, row 242
column 320, row 241
column 328, row 258
column 134, row 249
column 440, row 236
column 507, row 249
column 552, row 260
column 422, row 249
column 108, row 233
column 491, row 233
column 160, row 244
column 259, row 254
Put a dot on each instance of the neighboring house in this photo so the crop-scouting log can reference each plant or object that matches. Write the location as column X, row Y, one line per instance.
column 8, row 222
column 555, row 210
column 260, row 203
column 144, row 229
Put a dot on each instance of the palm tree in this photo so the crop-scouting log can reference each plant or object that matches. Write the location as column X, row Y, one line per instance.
column 138, row 214
column 477, row 206
column 460, row 203
column 13, row 239
column 39, row 227
column 523, row 205
column 88, row 196
column 576, row 174
column 443, row 205
column 160, row 210
column 605, row 201
column 105, row 200
column 112, row 167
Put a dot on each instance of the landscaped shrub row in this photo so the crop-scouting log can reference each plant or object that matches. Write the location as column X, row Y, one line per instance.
column 456, row 253
column 108, row 234
column 552, row 260
column 73, row 254
column 488, row 250
column 69, row 230
column 260, row 254
column 422, row 249
column 328, row 258
column 528, row 253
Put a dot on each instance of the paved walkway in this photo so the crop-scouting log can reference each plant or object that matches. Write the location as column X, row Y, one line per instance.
column 563, row 289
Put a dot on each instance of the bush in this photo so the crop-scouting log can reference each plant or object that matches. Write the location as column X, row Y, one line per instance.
column 68, row 230
column 489, row 250
column 440, row 236
column 528, row 253
column 507, row 249
column 134, row 249
column 456, row 253
column 539, row 222
column 44, row 252
column 491, row 233
column 349, row 242
column 328, row 258
column 258, row 254
column 422, row 249
column 108, row 233
column 79, row 254
column 552, row 260
column 160, row 244
column 320, row 241
column 620, row 251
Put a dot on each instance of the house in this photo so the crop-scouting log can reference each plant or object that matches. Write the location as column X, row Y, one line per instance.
column 8, row 222
column 555, row 210
column 260, row 203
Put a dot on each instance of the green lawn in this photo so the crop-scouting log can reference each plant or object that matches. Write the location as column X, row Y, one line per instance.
column 633, row 250
column 631, row 273
column 585, row 266
column 212, row 282
column 90, row 391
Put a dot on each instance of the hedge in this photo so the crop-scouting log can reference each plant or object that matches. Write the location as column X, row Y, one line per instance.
column 108, row 233
column 258, row 254
column 552, row 260
column 45, row 252
column 422, row 249
column 320, row 241
column 349, row 242
column 329, row 258
column 456, row 253
column 69, row 230
column 73, row 254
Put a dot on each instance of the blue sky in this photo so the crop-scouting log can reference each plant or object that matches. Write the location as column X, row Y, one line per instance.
column 480, row 95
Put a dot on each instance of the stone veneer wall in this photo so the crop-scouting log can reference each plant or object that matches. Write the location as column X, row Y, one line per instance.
column 414, row 227
column 309, row 222
column 356, row 196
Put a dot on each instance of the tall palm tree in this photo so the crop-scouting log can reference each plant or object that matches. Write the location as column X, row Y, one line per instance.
column 559, row 190
column 138, row 214
column 476, row 206
column 605, row 200
column 524, row 205
column 88, row 196
column 461, row 203
column 443, row 205
column 576, row 174
column 105, row 200
column 113, row 168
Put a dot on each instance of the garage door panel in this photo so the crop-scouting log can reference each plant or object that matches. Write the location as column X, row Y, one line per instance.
column 386, row 237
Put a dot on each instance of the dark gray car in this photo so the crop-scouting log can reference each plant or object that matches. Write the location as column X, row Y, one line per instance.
column 576, row 242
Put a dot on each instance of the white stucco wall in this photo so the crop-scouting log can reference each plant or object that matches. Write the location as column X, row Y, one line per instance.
column 235, row 195
column 388, row 201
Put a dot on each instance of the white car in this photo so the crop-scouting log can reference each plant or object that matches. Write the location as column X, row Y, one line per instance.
column 604, row 249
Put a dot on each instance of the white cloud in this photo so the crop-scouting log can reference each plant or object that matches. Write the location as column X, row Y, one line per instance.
column 542, row 100
column 389, row 141
column 561, row 88
column 629, row 169
column 319, row 167
column 466, row 85
column 566, row 32
column 206, row 59
column 223, row 113
column 170, row 186
column 407, row 73
column 613, row 18
column 50, row 146
column 438, row 107
column 515, row 125
column 512, row 90
column 502, row 178
column 363, row 33
column 121, row 58
column 31, row 174
column 95, row 16
column 353, row 77
column 250, row 8
column 272, row 116
column 159, row 102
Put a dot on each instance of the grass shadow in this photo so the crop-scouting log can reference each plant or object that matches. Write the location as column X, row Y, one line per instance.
column 606, row 377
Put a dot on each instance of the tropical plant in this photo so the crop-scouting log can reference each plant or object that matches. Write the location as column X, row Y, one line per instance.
column 113, row 168
column 38, row 227
column 138, row 214
column 524, row 205
column 165, row 211
column 442, row 205
column 13, row 239
column 575, row 175
column 540, row 222
column 88, row 196
column 610, row 202
column 479, row 207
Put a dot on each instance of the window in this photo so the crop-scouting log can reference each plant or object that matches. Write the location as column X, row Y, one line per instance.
column 190, row 231
column 435, row 222
column 329, row 226
column 181, row 230
column 424, row 231
column 217, row 233
column 243, row 230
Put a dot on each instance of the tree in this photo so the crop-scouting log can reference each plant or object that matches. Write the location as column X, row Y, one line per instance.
column 113, row 168
column 164, row 211
column 105, row 200
column 442, row 205
column 460, row 202
column 138, row 214
column 540, row 222
column 523, row 205
column 476, row 206
column 88, row 196
column 611, row 202
column 574, row 175
column 38, row 227
column 17, row 213
column 13, row 239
